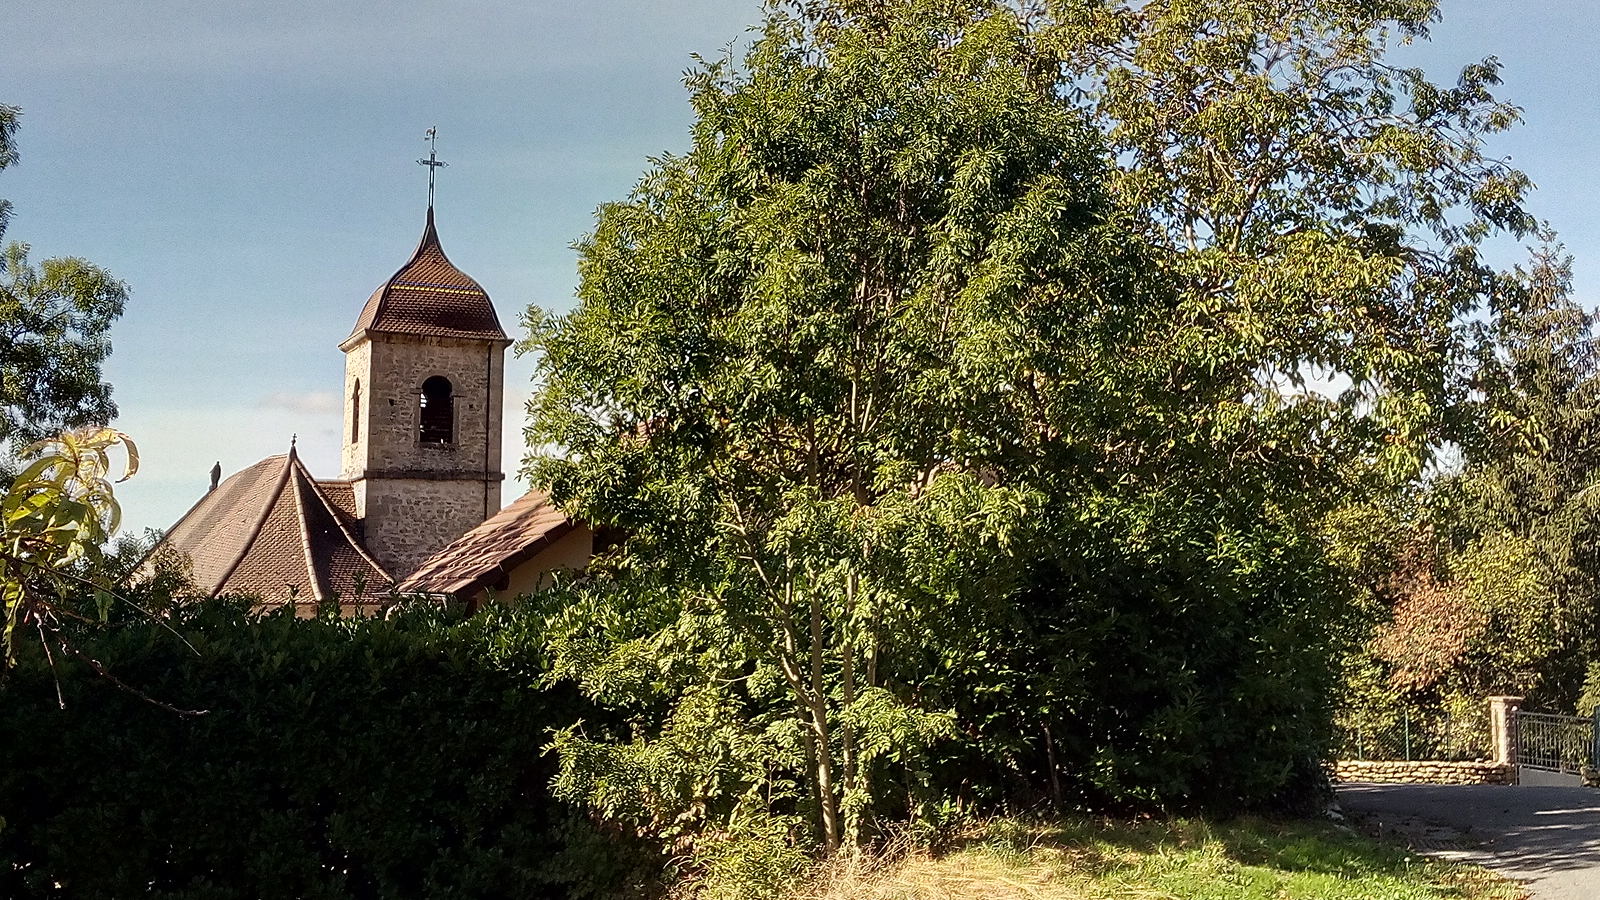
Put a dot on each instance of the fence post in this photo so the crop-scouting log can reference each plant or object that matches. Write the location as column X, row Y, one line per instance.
column 1594, row 740
column 1502, row 729
column 1406, row 713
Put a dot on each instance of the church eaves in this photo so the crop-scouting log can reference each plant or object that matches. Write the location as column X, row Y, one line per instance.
column 430, row 297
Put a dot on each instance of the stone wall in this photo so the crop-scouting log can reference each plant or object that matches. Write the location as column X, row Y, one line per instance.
column 414, row 498
column 356, row 426
column 409, row 520
column 1428, row 772
column 391, row 371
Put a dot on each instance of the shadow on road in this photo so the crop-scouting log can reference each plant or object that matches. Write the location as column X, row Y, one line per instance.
column 1547, row 835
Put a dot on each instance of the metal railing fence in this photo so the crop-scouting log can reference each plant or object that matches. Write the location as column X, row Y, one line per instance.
column 1557, row 743
column 1406, row 734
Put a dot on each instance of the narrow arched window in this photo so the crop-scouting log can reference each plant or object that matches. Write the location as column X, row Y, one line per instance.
column 355, row 413
column 438, row 413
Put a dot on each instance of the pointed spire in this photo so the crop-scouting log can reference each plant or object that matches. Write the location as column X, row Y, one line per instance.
column 430, row 235
column 429, row 296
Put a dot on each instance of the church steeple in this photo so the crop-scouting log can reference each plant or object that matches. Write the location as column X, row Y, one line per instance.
column 424, row 385
column 429, row 295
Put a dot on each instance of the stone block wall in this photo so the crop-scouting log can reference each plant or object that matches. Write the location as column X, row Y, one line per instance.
column 1425, row 772
column 409, row 520
column 356, row 426
column 391, row 371
column 414, row 498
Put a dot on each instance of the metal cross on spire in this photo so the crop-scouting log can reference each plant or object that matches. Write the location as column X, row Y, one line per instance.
column 432, row 162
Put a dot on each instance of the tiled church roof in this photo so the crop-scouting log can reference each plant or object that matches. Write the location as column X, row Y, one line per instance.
column 430, row 296
column 482, row 556
column 273, row 531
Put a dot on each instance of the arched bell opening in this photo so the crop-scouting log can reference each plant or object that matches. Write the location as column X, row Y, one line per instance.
column 355, row 413
column 437, row 412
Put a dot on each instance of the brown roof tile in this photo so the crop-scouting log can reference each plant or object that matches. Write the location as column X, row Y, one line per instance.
column 430, row 296
column 480, row 557
column 342, row 494
column 272, row 531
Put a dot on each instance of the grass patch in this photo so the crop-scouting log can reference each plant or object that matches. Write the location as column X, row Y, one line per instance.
column 1182, row 859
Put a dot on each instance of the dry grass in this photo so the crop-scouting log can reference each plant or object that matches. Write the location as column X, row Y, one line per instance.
column 922, row 877
column 1176, row 860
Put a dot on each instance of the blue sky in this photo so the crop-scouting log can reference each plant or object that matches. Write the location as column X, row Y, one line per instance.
column 250, row 170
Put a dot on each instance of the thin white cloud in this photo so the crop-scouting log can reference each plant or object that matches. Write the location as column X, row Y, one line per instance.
column 305, row 402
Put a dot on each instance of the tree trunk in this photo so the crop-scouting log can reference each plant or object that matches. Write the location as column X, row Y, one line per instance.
column 854, row 778
column 1050, row 759
column 826, row 789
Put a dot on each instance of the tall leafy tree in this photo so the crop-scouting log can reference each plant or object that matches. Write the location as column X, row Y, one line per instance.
column 809, row 357
column 968, row 364
column 1316, row 212
column 1531, row 481
column 1493, row 590
column 54, row 334
column 1539, row 449
column 55, row 321
column 1319, row 209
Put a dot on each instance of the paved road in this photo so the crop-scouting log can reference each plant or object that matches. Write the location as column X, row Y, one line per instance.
column 1547, row 836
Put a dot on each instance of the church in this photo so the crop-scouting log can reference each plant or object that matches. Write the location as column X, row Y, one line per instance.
column 416, row 509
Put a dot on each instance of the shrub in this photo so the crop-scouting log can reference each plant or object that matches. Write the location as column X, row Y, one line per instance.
column 337, row 758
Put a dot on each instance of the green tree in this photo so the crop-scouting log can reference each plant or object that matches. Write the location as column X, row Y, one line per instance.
column 8, row 155
column 1316, row 212
column 1519, row 534
column 968, row 363
column 807, row 358
column 1495, row 592
column 1533, row 474
column 54, row 336
column 54, row 324
column 1320, row 211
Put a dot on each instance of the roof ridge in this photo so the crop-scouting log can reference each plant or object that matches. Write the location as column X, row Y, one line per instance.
column 344, row 529
column 191, row 510
column 517, row 558
column 319, row 588
column 476, row 559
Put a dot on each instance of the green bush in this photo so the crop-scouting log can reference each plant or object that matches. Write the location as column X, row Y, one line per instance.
column 1155, row 670
column 337, row 758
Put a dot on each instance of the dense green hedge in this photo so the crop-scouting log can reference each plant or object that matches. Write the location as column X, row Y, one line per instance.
column 344, row 758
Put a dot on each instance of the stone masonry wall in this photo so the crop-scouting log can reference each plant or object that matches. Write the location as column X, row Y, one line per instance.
column 415, row 498
column 356, row 362
column 392, row 370
column 409, row 520
column 1399, row 772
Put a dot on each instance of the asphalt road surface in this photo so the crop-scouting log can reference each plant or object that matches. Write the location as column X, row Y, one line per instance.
column 1547, row 836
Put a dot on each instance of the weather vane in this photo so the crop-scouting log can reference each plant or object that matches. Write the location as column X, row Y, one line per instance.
column 432, row 162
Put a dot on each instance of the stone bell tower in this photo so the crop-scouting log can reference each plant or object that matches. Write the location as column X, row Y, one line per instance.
column 423, row 388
